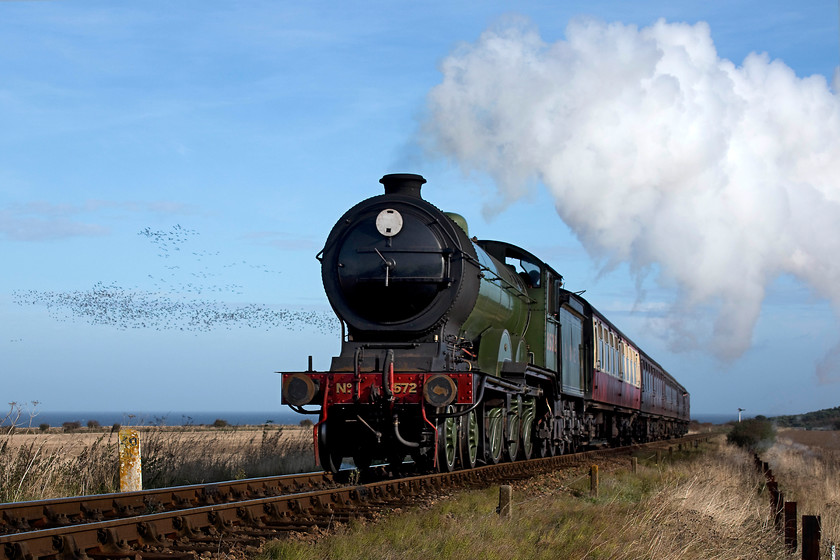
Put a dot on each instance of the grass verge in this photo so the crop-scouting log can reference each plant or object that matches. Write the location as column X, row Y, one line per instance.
column 697, row 504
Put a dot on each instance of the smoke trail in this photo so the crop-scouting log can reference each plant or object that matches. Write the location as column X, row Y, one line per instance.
column 719, row 178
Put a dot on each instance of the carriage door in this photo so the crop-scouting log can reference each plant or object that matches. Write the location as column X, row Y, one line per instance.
column 552, row 323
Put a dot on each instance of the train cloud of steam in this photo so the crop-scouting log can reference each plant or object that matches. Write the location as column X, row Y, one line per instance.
column 717, row 177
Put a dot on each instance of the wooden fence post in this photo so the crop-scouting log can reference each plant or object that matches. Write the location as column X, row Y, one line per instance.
column 811, row 537
column 776, row 501
column 634, row 464
column 779, row 511
column 593, row 481
column 790, row 526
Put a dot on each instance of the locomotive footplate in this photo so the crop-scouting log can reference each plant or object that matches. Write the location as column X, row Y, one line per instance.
column 437, row 389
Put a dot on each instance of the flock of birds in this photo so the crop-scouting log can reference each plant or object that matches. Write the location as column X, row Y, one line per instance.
column 168, row 244
column 173, row 302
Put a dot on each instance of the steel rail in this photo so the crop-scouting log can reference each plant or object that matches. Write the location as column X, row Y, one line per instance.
column 60, row 512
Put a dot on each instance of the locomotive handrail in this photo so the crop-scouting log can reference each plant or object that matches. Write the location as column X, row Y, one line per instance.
column 386, row 345
column 507, row 285
column 511, row 387
column 388, row 250
column 418, row 279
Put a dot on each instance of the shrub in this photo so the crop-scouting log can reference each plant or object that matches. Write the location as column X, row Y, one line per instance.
column 71, row 426
column 220, row 423
column 93, row 424
column 754, row 434
column 306, row 423
column 44, row 427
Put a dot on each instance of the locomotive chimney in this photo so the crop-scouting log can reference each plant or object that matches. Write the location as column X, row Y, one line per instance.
column 407, row 184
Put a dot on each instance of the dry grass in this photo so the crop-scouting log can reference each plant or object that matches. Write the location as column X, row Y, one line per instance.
column 809, row 474
column 710, row 509
column 697, row 505
column 37, row 466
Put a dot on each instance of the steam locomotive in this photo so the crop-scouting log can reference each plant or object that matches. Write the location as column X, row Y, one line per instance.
column 461, row 352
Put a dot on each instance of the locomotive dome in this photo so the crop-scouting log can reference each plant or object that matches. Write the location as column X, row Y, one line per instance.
column 395, row 262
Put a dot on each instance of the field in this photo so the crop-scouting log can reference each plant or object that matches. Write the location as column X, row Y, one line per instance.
column 230, row 441
column 708, row 503
column 827, row 440
column 36, row 465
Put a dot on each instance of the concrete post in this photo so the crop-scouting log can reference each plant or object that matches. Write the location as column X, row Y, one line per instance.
column 131, row 474
column 505, row 499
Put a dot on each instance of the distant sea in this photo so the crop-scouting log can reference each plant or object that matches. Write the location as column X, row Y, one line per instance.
column 717, row 418
column 281, row 416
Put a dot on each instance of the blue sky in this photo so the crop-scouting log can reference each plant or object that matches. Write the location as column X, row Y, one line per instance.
column 169, row 171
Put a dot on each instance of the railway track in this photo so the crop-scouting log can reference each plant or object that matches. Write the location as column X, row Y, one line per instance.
column 62, row 512
column 184, row 521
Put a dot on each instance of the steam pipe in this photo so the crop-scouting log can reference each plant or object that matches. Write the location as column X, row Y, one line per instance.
column 399, row 437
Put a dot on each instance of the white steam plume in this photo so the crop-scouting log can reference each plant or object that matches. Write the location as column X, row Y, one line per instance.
column 658, row 153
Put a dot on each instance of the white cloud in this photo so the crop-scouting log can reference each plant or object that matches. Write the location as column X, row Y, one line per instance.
column 661, row 154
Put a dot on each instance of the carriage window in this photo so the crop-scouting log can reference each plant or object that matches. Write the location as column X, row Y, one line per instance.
column 602, row 356
column 603, row 349
column 595, row 343
column 608, row 349
column 622, row 361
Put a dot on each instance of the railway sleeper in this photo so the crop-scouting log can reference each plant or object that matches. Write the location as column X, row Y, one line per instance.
column 247, row 517
column 185, row 528
column 17, row 524
column 150, row 555
column 110, row 542
column 149, row 534
column 67, row 549
column 56, row 517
